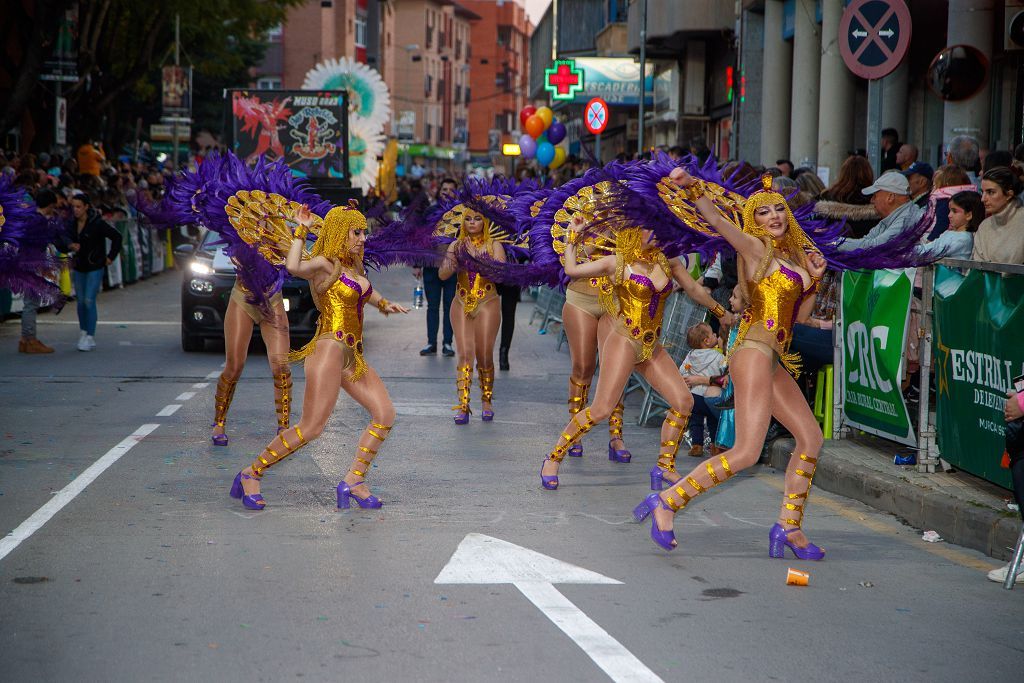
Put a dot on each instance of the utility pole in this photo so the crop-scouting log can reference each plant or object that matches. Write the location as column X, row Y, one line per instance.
column 643, row 75
column 554, row 30
column 177, row 62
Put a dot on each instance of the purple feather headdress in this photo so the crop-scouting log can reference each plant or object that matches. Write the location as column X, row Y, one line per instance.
column 25, row 236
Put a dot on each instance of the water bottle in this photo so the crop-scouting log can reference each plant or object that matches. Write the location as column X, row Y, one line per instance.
column 417, row 296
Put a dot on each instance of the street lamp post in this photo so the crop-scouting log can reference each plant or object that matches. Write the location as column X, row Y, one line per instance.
column 643, row 75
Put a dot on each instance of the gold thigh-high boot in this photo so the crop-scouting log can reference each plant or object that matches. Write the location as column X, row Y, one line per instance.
column 374, row 435
column 573, row 433
column 283, row 398
column 462, row 384
column 486, row 390
column 672, row 429
column 221, row 403
column 615, row 432
column 792, row 514
column 578, row 394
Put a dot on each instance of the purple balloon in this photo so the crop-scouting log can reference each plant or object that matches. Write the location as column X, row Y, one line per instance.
column 527, row 146
column 556, row 132
column 545, row 153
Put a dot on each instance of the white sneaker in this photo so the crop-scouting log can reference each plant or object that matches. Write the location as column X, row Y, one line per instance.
column 91, row 341
column 83, row 342
column 999, row 575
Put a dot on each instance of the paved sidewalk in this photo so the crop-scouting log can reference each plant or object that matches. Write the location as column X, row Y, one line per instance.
column 961, row 508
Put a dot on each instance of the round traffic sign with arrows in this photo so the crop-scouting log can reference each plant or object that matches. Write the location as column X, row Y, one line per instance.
column 874, row 36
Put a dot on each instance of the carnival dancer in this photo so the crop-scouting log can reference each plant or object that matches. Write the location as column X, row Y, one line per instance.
column 637, row 279
column 26, row 261
column 204, row 196
column 480, row 227
column 334, row 358
column 780, row 265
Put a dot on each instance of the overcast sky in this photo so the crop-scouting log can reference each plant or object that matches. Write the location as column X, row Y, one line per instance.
column 536, row 9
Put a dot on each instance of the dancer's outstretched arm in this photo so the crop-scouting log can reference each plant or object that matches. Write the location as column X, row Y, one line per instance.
column 744, row 244
column 450, row 265
column 698, row 293
column 599, row 268
column 384, row 306
column 309, row 268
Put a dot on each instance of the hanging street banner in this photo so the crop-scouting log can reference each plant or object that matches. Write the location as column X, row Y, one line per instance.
column 978, row 351
column 875, row 309
column 176, row 87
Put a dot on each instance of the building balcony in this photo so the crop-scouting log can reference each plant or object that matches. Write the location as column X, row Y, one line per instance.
column 671, row 22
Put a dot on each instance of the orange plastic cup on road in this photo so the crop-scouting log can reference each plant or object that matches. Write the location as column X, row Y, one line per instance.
column 795, row 577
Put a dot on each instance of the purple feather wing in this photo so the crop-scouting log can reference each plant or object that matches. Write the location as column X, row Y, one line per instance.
column 25, row 236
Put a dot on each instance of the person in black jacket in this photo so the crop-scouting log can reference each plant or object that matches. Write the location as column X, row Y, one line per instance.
column 88, row 233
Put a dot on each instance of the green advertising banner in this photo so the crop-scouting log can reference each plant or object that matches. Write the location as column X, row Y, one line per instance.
column 978, row 350
column 875, row 308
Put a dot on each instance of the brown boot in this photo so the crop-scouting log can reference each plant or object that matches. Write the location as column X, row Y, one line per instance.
column 33, row 345
column 697, row 450
column 716, row 449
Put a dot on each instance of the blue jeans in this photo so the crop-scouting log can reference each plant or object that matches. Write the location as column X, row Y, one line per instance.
column 435, row 290
column 813, row 345
column 703, row 409
column 87, row 287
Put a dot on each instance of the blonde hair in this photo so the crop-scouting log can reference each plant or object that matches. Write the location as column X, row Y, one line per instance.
column 791, row 245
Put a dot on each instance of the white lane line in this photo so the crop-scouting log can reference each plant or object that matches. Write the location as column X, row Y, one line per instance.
column 200, row 385
column 111, row 322
column 68, row 493
column 213, row 375
column 185, row 396
column 169, row 410
column 615, row 660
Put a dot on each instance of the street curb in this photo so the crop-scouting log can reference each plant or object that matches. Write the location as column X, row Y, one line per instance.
column 973, row 526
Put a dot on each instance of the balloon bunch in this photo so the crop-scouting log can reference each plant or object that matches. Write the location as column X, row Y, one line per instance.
column 543, row 133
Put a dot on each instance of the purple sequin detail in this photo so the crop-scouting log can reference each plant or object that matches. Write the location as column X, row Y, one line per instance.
column 652, row 308
column 769, row 323
column 363, row 296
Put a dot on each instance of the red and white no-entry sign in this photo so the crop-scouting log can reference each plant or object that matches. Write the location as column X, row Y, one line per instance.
column 595, row 116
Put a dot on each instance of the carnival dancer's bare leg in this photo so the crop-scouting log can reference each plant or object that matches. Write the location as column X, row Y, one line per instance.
column 465, row 350
column 237, row 333
column 369, row 392
column 663, row 376
column 274, row 331
column 581, row 332
column 617, row 362
column 324, row 376
column 485, row 333
column 791, row 409
column 752, row 373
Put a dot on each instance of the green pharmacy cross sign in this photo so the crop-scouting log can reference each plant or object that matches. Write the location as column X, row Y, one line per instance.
column 563, row 80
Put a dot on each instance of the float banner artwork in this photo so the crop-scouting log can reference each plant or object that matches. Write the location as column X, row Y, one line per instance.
column 875, row 309
column 978, row 350
column 305, row 128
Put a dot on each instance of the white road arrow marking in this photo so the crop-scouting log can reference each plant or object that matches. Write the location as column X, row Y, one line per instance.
column 859, row 34
column 481, row 559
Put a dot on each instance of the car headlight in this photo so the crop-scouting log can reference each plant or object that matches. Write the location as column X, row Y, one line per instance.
column 201, row 268
column 199, row 286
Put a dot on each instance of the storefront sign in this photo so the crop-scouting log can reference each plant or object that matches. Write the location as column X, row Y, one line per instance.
column 616, row 80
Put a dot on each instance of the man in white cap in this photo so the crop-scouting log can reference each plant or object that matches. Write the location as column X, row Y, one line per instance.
column 890, row 195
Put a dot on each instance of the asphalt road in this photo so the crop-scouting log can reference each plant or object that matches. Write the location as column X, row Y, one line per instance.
column 151, row 572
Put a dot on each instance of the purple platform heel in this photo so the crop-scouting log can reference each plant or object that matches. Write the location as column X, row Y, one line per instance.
column 617, row 455
column 255, row 502
column 218, row 439
column 666, row 539
column 778, row 540
column 461, row 418
column 345, row 495
column 658, row 480
column 646, row 507
column 550, row 483
column 575, row 451
column 487, row 415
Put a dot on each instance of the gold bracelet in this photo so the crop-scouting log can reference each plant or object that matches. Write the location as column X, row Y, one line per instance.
column 695, row 190
column 718, row 311
column 382, row 305
column 300, row 232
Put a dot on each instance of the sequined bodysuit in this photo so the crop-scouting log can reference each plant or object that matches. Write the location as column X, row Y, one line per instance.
column 641, row 307
column 768, row 322
column 341, row 319
column 474, row 290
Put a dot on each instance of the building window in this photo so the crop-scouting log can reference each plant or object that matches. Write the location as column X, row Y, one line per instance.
column 458, row 93
column 430, row 35
column 428, row 132
column 268, row 83
column 467, row 94
column 504, row 35
column 440, row 89
column 428, row 85
column 361, row 30
column 458, row 49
